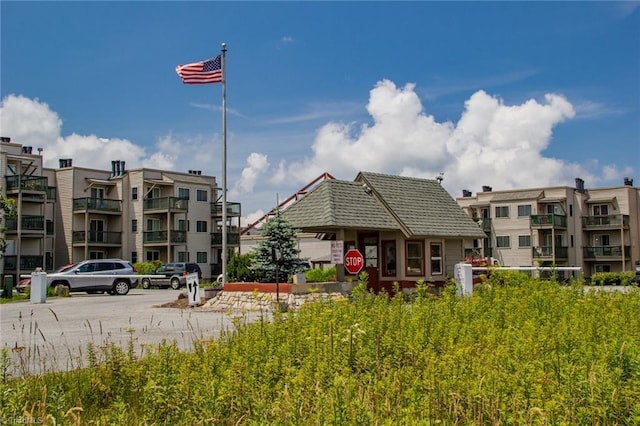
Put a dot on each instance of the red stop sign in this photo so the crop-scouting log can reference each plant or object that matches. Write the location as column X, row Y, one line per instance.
column 353, row 261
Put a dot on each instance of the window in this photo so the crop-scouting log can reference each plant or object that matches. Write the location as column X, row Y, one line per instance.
column 183, row 225
column 153, row 255
column 134, row 257
column 524, row 210
column 602, row 267
column 601, row 240
column 182, row 256
column 96, row 255
column 524, row 240
column 389, row 258
column 415, row 258
column 201, row 257
column 570, row 209
column 436, row 259
column 201, row 195
column 600, row 210
column 201, row 226
column 183, row 193
column 134, row 225
column 503, row 241
column 571, row 240
column 97, row 193
column 134, row 193
column 502, row 211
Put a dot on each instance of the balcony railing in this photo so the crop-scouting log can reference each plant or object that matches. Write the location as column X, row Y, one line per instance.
column 233, row 209
column 97, row 237
column 26, row 183
column 548, row 221
column 27, row 223
column 27, row 263
column 99, row 204
column 233, row 239
column 177, row 237
column 561, row 252
column 608, row 252
column 172, row 204
column 598, row 222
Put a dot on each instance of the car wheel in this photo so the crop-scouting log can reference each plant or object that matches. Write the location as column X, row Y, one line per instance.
column 146, row 283
column 121, row 287
column 175, row 283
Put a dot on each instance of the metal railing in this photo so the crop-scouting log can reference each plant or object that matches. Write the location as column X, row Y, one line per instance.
column 233, row 209
column 596, row 252
column 561, row 252
column 173, row 204
column 26, row 183
column 616, row 220
column 163, row 237
column 97, row 237
column 27, row 223
column 27, row 262
column 100, row 204
column 233, row 238
column 548, row 221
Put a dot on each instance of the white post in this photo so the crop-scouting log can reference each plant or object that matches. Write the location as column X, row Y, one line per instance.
column 38, row 287
column 464, row 279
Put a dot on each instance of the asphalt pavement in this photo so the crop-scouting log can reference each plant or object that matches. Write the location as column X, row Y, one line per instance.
column 53, row 336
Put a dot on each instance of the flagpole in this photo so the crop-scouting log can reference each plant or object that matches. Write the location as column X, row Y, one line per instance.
column 224, row 163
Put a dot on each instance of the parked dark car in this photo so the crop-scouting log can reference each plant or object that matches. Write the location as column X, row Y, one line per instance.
column 638, row 271
column 175, row 275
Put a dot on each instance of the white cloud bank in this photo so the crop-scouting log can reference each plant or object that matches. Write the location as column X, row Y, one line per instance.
column 491, row 144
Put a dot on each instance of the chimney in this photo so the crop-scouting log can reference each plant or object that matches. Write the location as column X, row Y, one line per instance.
column 190, row 172
column 628, row 181
column 122, row 167
column 486, row 188
column 466, row 193
column 580, row 185
column 113, row 168
column 65, row 162
column 27, row 149
column 5, row 139
column 199, row 172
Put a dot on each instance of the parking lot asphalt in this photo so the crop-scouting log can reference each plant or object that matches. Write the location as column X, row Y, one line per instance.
column 53, row 336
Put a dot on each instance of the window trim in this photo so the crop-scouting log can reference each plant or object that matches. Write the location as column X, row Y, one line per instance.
column 520, row 241
column 406, row 257
column 206, row 226
column 188, row 191
column 206, row 195
column 508, row 241
column 206, row 256
column 530, row 209
column 499, row 208
column 440, row 258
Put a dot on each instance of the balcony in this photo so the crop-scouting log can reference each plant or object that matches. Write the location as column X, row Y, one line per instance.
column 233, row 209
column 166, row 204
column 97, row 237
column 162, row 237
column 27, row 263
column 615, row 221
column 606, row 252
column 233, row 238
column 548, row 221
column 28, row 223
column 546, row 252
column 52, row 192
column 26, row 183
column 102, row 205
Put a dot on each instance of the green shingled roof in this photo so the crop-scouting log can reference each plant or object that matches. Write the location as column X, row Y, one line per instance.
column 422, row 206
column 417, row 207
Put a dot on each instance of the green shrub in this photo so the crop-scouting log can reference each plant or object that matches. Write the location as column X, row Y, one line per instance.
column 321, row 275
column 147, row 268
column 613, row 278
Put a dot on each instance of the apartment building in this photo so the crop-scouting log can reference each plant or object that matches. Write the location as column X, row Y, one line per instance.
column 139, row 215
column 597, row 229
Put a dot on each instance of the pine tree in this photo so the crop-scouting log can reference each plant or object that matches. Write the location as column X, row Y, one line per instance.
column 279, row 237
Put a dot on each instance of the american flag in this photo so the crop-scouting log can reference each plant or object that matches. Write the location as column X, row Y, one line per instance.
column 203, row 72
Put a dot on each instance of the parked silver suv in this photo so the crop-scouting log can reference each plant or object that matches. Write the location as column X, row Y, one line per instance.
column 87, row 276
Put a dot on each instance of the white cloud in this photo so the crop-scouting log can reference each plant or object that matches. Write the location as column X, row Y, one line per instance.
column 257, row 164
column 492, row 143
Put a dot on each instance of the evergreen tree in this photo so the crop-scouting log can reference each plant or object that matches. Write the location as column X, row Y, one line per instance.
column 280, row 238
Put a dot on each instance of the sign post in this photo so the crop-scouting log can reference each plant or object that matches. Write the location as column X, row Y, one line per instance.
column 353, row 261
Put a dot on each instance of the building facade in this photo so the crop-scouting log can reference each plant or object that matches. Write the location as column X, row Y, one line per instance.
column 597, row 229
column 138, row 215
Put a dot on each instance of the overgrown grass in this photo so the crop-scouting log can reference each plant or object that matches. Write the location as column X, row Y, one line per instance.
column 519, row 351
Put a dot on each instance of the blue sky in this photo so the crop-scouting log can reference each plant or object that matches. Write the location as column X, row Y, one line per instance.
column 506, row 94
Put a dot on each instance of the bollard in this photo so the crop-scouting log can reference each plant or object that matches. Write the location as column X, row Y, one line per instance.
column 464, row 279
column 7, row 286
column 38, row 287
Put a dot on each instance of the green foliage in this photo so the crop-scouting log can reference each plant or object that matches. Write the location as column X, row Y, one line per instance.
column 7, row 210
column 613, row 278
column 239, row 267
column 279, row 236
column 147, row 268
column 321, row 275
column 532, row 353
